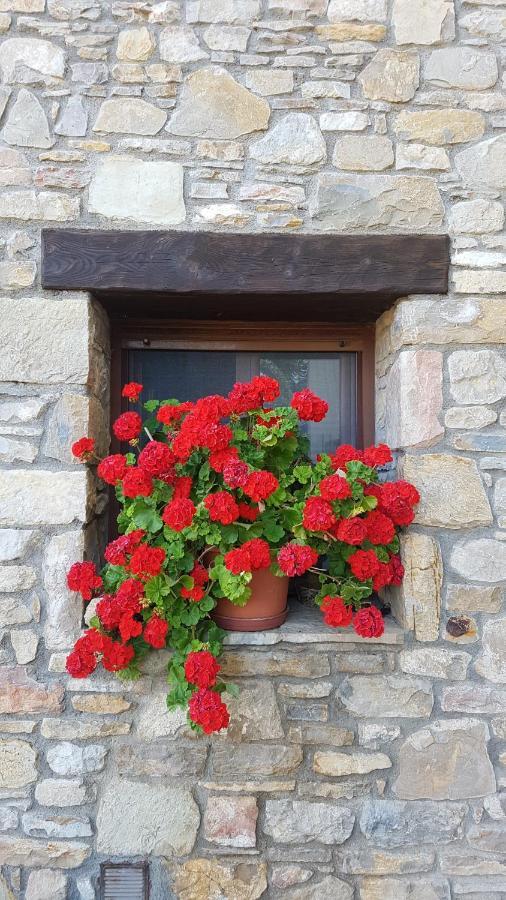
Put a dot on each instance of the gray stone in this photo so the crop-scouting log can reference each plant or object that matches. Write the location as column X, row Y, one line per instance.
column 24, row 643
column 469, row 417
column 155, row 720
column 477, row 376
column 159, row 761
column 298, row 822
column 344, row 202
column 14, row 612
column 231, row 821
column 439, row 126
column 419, row 156
column 328, row 762
column 462, row 67
column 473, row 698
column 214, row 105
column 129, row 115
column 452, row 494
column 72, row 416
column 254, row 714
column 295, row 140
column 484, row 164
column 362, row 153
column 26, row 59
column 64, row 608
column 16, row 578
column 30, row 497
column 73, row 119
column 16, row 451
column 269, row 82
column 392, row 75
column 180, row 44
column 435, row 662
column 45, row 883
column 60, row 792
column 27, row 125
column 372, row 735
column 429, row 888
column 415, row 388
column 18, row 764
column 491, row 664
column 255, row 759
column 227, row 37
column 500, row 495
column 90, row 73
column 357, row 10
column 481, row 559
column 137, row 819
column 127, row 188
column 488, row 23
column 428, row 320
column 433, row 24
column 371, row 861
column 390, row 823
column 14, row 544
column 56, row 826
column 390, row 696
column 488, row 837
column 233, row 12
column 483, row 443
column 330, row 888
column 447, row 760
column 70, row 759
column 471, row 598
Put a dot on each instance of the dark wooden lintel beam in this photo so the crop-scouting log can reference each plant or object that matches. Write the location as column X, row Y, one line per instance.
column 175, row 262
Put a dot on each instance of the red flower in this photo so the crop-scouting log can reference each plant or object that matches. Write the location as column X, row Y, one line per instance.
column 334, row 487
column 253, row 555
column 260, row 485
column 137, row 483
column 237, row 561
column 368, row 622
column 80, row 664
column 377, row 456
column 129, row 627
column 116, row 656
column 397, row 500
column 310, row 408
column 380, row 528
column 127, row 426
column 156, row 459
column 212, row 408
column 245, row 397
column 170, row 413
column 200, row 577
column 112, row 469
column 221, row 507
column 83, row 578
column 364, row 564
column 109, row 612
column 117, row 551
column 132, row 390
column 350, row 531
column 182, row 488
column 396, row 570
column 343, row 455
column 207, row 710
column 129, row 593
column 235, row 473
column 201, row 668
column 155, row 632
column 248, row 512
column 219, row 458
column 295, row 559
column 318, row 515
column 146, row 562
column 382, row 577
column 178, row 514
column 336, row 613
column 83, row 449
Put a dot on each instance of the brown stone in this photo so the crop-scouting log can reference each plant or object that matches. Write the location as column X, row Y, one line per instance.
column 102, row 704
column 418, row 604
column 440, row 126
column 159, row 761
column 215, row 105
column 386, row 862
column 299, row 822
column 316, row 733
column 255, row 759
column 275, row 662
column 19, row 693
column 254, row 714
column 231, row 821
column 452, row 494
column 351, row 31
column 199, row 879
column 339, row 764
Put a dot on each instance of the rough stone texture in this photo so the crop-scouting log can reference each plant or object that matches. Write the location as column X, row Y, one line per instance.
column 329, row 763
column 16, row 851
column 199, row 879
column 60, row 792
column 471, row 598
column 362, row 153
column 128, row 188
column 491, row 664
column 135, row 818
column 482, row 559
column 390, row 696
column 360, row 10
column 452, row 494
column 329, row 888
column 33, row 57
column 64, row 607
column 435, row 662
column 255, row 759
column 389, row 823
column 476, row 217
column 477, row 376
column 415, row 387
column 394, row 889
column 439, row 126
column 469, row 417
column 421, row 588
column 135, row 45
column 215, row 105
column 434, row 22
column 461, row 67
column 483, row 164
column 44, row 884
column 19, row 693
column 295, row 822
column 17, row 764
column 71, row 759
column 129, row 116
column 361, row 202
column 42, row 498
column 295, row 140
column 231, row 821
column 392, row 75
column 255, row 714
column 446, row 761
column 27, row 125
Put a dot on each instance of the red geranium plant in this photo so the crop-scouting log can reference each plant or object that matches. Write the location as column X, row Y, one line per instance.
column 231, row 475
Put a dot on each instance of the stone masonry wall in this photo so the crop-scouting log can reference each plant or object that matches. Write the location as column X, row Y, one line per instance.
column 372, row 772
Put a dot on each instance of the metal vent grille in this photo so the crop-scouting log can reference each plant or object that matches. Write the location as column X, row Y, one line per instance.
column 124, row 882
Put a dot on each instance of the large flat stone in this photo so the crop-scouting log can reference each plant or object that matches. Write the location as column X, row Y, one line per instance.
column 123, row 187
column 429, row 888
column 389, row 696
column 328, row 762
column 64, row 608
column 476, row 216
column 161, row 761
column 180, row 44
column 452, row 494
column 391, row 823
column 31, row 497
column 418, row 603
column 471, row 598
column 137, row 819
column 344, row 202
column 275, row 662
column 433, row 23
column 233, row 12
column 435, row 662
column 462, row 67
column 415, row 391
column 26, row 59
column 481, row 559
column 473, row 698
column 73, row 759
column 129, row 115
column 215, row 105
column 357, row 10
column 19, row 693
column 254, row 714
column 46, row 206
column 371, row 861
column 255, row 759
column 17, row 764
column 483, row 164
column 200, row 879
column 363, row 152
column 330, row 888
column 447, row 760
column 491, row 663
column 231, row 821
column 391, row 75
column 477, row 376
column 440, row 126
column 18, row 851
column 27, row 125
column 299, row 822
column 294, row 140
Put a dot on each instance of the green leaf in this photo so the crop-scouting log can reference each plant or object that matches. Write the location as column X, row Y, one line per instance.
column 151, row 405
column 147, row 518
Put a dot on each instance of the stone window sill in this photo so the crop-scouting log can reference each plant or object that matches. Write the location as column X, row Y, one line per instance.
column 304, row 625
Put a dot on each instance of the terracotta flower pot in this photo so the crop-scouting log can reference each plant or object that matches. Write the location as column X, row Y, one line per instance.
column 266, row 608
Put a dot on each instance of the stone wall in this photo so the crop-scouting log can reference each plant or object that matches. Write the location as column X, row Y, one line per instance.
column 373, row 772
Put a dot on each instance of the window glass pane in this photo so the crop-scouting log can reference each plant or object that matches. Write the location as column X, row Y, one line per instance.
column 188, row 374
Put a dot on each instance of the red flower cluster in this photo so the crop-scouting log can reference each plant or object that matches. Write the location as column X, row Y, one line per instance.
column 343, row 455
column 83, row 578
column 295, row 559
column 118, row 551
column 248, row 512
column 350, row 531
column 83, row 449
column 200, row 577
column 373, row 456
column 380, row 528
column 310, row 408
column 245, row 398
column 377, row 456
column 132, row 390
column 179, row 513
column 397, row 499
column 83, row 659
column 156, row 459
column 235, row 473
column 170, row 413
column 336, row 613
column 207, row 709
column 221, row 507
column 155, row 632
column 137, row 483
column 368, row 622
column 318, row 515
column 146, row 562
column 127, row 426
column 253, row 555
column 364, row 564
column 112, row 469
column 334, row 487
column 260, row 485
column 201, row 669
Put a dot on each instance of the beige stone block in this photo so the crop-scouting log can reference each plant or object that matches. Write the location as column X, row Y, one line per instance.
column 254, row 714
column 24, row 643
column 17, row 273
column 469, row 416
column 462, row 67
column 27, row 125
column 233, row 12
column 414, row 388
column 330, row 888
column 435, row 662
column 391, row 75
column 327, row 762
column 60, row 792
column 47, row 206
column 299, row 822
column 394, row 889
column 44, row 883
column 19, row 693
column 433, row 23
column 34, row 55
column 452, row 494
column 258, row 760
column 102, row 704
column 215, row 105
column 439, row 126
column 135, row 45
column 129, row 115
column 419, row 156
column 483, row 164
column 357, row 10
column 38, row 497
column 491, row 663
column 18, row 764
column 473, row 598
column 477, row 376
column 73, row 416
column 196, row 879
column 484, row 281
column 446, row 761
column 227, row 37
column 127, row 188
column 18, row 851
column 371, row 861
column 362, row 153
column 351, row 31
column 269, row 82
column 295, row 140
column 275, row 662
column 419, row 600
column 390, row 696
column 480, row 559
column 180, row 44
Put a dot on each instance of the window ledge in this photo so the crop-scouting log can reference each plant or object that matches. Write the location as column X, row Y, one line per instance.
column 304, row 625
